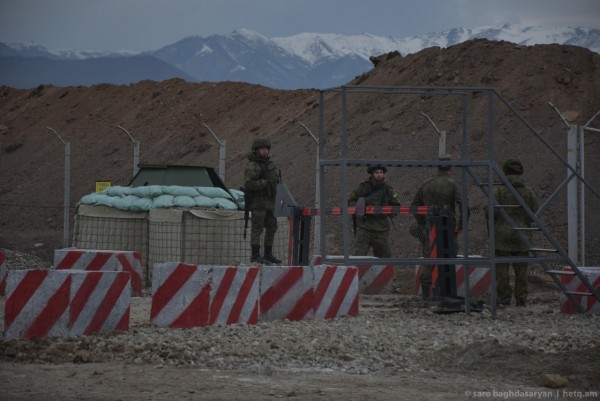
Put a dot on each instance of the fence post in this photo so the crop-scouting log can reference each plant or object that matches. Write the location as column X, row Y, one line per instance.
column 136, row 151
column 222, row 151
column 67, row 190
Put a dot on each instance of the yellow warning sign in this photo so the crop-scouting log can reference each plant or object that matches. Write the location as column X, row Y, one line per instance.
column 102, row 185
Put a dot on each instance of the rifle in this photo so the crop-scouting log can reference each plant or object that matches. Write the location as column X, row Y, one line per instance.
column 359, row 212
column 247, row 204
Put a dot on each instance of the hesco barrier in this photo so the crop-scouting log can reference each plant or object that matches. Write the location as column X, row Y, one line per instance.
column 103, row 227
column 209, row 237
column 198, row 236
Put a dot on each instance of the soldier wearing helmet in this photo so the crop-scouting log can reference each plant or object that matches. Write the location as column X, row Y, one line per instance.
column 372, row 231
column 507, row 241
column 260, row 181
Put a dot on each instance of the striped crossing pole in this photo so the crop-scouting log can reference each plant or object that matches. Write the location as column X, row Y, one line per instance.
column 372, row 210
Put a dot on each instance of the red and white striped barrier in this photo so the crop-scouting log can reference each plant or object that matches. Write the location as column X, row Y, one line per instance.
column 589, row 303
column 180, row 295
column 479, row 280
column 372, row 279
column 102, row 260
column 3, row 271
column 336, row 291
column 100, row 302
column 131, row 262
column 286, row 292
column 37, row 304
column 234, row 295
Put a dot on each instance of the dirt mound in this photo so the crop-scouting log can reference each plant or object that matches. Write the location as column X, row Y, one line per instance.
column 167, row 118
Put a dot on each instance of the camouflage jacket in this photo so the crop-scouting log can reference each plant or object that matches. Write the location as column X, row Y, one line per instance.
column 440, row 191
column 260, row 179
column 375, row 195
column 506, row 238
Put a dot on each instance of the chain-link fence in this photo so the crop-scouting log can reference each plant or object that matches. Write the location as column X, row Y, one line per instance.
column 480, row 125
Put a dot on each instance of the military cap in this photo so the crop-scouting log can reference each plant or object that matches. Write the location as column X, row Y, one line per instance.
column 371, row 169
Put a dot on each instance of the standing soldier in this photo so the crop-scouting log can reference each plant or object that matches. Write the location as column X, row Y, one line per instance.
column 440, row 191
column 260, row 181
column 372, row 231
column 507, row 240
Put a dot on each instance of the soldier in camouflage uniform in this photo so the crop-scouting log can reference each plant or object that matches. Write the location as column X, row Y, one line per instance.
column 439, row 191
column 372, row 231
column 507, row 241
column 260, row 181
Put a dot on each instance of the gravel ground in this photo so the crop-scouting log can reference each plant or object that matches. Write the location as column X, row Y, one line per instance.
column 393, row 334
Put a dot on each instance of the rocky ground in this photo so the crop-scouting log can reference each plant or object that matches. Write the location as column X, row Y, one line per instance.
column 398, row 348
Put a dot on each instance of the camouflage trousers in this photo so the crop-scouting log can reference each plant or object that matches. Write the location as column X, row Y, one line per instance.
column 366, row 239
column 503, row 288
column 263, row 220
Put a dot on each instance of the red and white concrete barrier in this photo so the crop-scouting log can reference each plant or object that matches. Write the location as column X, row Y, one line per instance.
column 479, row 279
column 60, row 303
column 372, row 279
column 234, row 295
column 37, row 304
column 336, row 291
column 131, row 262
column 3, row 271
column 589, row 303
column 286, row 292
column 180, row 295
column 187, row 295
column 102, row 260
column 99, row 303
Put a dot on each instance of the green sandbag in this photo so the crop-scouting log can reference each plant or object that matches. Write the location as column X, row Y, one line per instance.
column 225, row 204
column 163, row 201
column 105, row 200
column 184, row 201
column 117, row 191
column 125, row 202
column 148, row 191
column 204, row 201
column 89, row 199
column 178, row 190
column 213, row 192
column 141, row 205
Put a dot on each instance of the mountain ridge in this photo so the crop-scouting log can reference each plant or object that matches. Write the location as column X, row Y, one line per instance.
column 304, row 60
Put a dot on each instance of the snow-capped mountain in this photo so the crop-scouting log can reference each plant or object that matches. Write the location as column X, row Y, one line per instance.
column 305, row 60
column 243, row 55
column 315, row 47
column 35, row 50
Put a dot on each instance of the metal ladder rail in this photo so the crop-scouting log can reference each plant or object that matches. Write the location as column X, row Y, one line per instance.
column 549, row 237
column 528, row 244
column 522, row 238
column 554, row 274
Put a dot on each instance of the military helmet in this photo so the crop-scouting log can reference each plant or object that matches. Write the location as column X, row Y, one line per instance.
column 371, row 169
column 261, row 143
column 512, row 166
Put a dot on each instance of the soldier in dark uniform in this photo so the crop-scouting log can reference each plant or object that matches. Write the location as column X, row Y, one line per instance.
column 439, row 191
column 507, row 241
column 260, row 181
column 372, row 231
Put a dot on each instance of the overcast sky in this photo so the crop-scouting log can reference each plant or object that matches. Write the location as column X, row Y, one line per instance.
column 137, row 25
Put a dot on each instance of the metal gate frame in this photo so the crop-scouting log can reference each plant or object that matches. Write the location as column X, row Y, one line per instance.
column 466, row 169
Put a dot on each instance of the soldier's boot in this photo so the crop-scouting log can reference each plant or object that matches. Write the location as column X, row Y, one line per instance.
column 425, row 291
column 256, row 258
column 270, row 257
